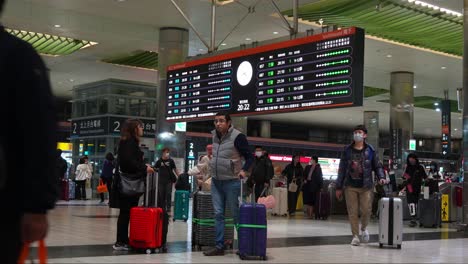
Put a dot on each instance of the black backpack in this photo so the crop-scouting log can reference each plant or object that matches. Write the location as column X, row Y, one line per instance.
column 183, row 182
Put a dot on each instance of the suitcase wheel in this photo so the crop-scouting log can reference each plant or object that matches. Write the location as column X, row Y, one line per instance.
column 149, row 251
column 380, row 245
column 264, row 258
column 399, row 246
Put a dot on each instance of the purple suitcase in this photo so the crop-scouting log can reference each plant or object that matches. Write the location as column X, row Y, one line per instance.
column 322, row 205
column 252, row 231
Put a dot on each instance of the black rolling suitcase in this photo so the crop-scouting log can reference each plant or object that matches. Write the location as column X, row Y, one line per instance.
column 429, row 211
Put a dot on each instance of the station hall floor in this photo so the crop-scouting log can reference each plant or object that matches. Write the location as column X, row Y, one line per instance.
column 84, row 232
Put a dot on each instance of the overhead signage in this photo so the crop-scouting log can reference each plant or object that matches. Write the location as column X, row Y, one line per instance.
column 446, row 130
column 149, row 125
column 316, row 72
column 108, row 125
column 87, row 127
column 396, row 154
column 412, row 144
column 329, row 166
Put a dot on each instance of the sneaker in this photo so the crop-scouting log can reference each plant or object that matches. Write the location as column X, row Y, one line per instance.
column 365, row 236
column 214, row 252
column 121, row 246
column 355, row 241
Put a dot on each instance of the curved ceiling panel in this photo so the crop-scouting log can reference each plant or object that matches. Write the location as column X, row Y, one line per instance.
column 397, row 20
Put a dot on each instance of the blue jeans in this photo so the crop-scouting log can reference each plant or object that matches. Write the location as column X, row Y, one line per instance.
column 225, row 194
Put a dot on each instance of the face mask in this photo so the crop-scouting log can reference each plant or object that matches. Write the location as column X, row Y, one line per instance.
column 167, row 155
column 258, row 154
column 358, row 137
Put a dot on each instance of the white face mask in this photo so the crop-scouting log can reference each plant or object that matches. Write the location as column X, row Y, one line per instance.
column 258, row 154
column 358, row 137
column 167, row 155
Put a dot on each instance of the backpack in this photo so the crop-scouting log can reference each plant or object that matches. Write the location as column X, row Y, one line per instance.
column 182, row 182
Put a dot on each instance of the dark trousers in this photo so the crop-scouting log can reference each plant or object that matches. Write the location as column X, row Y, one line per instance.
column 11, row 238
column 413, row 198
column 258, row 191
column 126, row 203
column 108, row 182
column 165, row 193
column 292, row 201
column 163, row 203
column 80, row 190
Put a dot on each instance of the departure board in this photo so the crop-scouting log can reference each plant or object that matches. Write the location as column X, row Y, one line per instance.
column 316, row 72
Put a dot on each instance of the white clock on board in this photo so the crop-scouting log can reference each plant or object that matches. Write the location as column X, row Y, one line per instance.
column 244, row 73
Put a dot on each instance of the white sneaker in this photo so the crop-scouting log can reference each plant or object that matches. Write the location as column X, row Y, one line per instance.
column 365, row 236
column 355, row 241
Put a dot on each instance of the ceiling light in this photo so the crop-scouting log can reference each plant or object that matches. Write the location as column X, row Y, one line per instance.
column 455, row 129
column 389, row 55
column 248, row 39
column 275, row 32
column 57, row 25
column 223, row 44
column 438, row 109
column 71, row 80
column 436, row 103
column 200, row 49
column 414, row 86
column 443, row 67
column 120, row 0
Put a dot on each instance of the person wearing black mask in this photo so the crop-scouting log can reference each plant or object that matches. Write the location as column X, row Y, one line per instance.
column 413, row 176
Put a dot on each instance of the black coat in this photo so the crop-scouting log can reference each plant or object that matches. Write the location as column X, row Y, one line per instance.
column 316, row 182
column 262, row 171
column 292, row 171
column 29, row 123
column 130, row 157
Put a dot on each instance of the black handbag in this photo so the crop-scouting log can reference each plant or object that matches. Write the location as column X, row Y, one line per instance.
column 131, row 184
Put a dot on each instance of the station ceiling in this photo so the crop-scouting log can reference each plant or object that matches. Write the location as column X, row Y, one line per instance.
column 401, row 36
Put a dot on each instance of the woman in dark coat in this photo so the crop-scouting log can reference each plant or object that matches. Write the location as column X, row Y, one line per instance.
column 293, row 171
column 413, row 178
column 130, row 160
column 313, row 183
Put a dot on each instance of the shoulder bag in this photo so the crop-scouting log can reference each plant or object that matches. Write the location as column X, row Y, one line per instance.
column 131, row 184
column 293, row 185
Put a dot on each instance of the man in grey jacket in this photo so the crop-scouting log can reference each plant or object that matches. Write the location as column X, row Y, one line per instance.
column 229, row 146
column 357, row 162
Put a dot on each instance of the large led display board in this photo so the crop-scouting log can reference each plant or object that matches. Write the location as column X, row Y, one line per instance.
column 316, row 72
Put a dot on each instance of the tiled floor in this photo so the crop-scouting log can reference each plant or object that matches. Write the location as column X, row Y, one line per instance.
column 83, row 232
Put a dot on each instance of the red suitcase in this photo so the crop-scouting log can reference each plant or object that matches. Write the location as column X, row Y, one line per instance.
column 322, row 205
column 65, row 190
column 146, row 223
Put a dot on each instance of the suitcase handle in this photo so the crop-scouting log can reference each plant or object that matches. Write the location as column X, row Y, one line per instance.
column 148, row 176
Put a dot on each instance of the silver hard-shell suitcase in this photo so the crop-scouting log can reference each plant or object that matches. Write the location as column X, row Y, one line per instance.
column 390, row 222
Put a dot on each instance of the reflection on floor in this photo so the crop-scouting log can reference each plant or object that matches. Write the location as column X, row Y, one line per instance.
column 84, row 231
